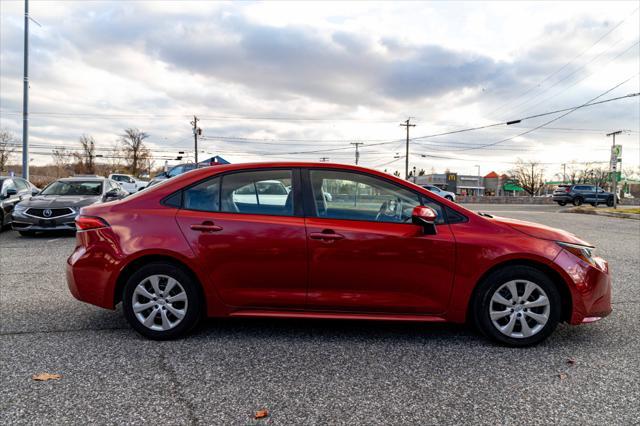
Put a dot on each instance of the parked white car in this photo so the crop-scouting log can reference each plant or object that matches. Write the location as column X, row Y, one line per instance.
column 269, row 192
column 128, row 182
column 441, row 192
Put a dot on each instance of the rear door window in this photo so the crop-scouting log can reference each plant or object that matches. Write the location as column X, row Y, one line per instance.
column 205, row 196
column 258, row 192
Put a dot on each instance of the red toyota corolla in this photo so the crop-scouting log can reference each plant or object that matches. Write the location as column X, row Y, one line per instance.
column 306, row 240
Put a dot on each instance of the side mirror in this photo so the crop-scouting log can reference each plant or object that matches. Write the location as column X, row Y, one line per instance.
column 111, row 194
column 426, row 217
column 11, row 192
column 35, row 191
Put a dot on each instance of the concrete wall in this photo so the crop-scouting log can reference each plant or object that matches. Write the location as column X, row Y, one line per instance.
column 525, row 200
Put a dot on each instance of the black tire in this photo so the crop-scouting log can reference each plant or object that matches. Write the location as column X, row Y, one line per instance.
column 610, row 202
column 578, row 201
column 194, row 305
column 562, row 203
column 449, row 197
column 594, row 204
column 493, row 282
column 27, row 233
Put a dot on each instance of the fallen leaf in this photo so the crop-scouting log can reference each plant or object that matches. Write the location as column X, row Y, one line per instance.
column 43, row 377
column 571, row 361
column 261, row 414
column 563, row 376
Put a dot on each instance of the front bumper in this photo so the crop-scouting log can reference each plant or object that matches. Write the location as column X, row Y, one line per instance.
column 24, row 222
column 590, row 288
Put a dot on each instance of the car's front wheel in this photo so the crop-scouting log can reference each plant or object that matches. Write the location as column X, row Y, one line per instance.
column 578, row 201
column 517, row 306
column 449, row 197
column 610, row 202
column 161, row 301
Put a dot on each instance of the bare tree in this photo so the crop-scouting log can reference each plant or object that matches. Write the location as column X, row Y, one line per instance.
column 115, row 159
column 85, row 158
column 135, row 151
column 6, row 148
column 529, row 175
column 61, row 160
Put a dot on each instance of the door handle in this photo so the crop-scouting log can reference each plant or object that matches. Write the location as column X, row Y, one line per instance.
column 206, row 227
column 326, row 236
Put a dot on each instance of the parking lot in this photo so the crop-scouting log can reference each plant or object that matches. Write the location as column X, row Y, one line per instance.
column 312, row 371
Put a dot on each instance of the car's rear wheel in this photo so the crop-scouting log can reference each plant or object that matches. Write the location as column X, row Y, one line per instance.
column 610, row 202
column 578, row 201
column 161, row 301
column 517, row 306
column 562, row 203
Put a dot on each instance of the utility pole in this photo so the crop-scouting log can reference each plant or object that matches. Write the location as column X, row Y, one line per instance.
column 564, row 172
column 357, row 145
column 196, row 132
column 406, row 159
column 613, row 167
column 479, row 185
column 324, row 159
column 25, row 96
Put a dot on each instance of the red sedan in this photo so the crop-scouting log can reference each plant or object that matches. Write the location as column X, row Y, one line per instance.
column 306, row 240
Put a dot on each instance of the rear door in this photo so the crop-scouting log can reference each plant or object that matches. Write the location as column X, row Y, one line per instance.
column 365, row 255
column 254, row 250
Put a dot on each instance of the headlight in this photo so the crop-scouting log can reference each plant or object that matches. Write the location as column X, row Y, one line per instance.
column 584, row 253
column 19, row 209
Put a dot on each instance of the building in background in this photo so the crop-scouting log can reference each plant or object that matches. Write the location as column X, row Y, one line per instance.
column 458, row 184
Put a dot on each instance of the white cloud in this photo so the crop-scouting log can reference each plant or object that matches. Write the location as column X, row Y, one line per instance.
column 369, row 65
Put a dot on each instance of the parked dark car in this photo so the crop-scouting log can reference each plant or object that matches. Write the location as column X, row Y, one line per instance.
column 580, row 194
column 55, row 208
column 12, row 191
column 174, row 171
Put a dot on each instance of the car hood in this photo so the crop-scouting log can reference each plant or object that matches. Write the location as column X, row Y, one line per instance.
column 55, row 201
column 540, row 231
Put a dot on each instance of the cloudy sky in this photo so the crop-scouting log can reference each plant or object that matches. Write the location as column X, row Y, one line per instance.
column 302, row 80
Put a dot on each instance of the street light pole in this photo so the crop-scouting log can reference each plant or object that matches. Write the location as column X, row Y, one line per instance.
column 25, row 96
column 478, row 166
column 613, row 167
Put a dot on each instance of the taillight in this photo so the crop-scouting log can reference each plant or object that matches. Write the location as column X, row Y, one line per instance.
column 85, row 223
column 568, row 189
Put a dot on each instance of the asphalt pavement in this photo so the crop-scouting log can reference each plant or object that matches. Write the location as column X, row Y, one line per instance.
column 312, row 372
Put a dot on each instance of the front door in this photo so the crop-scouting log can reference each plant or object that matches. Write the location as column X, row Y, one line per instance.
column 245, row 227
column 365, row 255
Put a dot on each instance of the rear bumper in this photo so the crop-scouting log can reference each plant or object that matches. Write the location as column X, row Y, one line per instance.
column 590, row 289
column 90, row 273
column 565, row 198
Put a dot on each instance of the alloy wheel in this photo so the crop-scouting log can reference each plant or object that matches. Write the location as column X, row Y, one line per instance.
column 519, row 309
column 159, row 302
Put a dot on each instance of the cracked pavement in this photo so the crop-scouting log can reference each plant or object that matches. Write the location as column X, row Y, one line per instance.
column 339, row 372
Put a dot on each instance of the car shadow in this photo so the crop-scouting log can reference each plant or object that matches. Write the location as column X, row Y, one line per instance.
column 49, row 234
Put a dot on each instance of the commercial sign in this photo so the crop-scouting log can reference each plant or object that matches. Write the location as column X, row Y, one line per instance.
column 452, row 183
column 616, row 156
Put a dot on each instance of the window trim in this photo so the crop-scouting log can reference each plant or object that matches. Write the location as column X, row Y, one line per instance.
column 298, row 210
column 310, row 207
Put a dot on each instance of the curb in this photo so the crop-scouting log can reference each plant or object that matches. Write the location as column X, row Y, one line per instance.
column 620, row 215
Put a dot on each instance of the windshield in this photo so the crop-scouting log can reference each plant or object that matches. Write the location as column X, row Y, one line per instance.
column 90, row 188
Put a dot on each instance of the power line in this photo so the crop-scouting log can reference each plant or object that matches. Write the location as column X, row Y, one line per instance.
column 566, row 64
column 590, row 102
column 516, row 121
